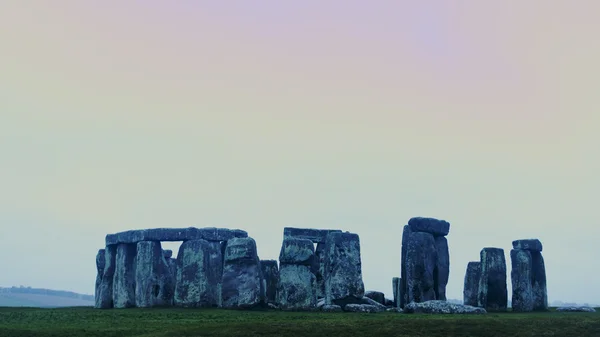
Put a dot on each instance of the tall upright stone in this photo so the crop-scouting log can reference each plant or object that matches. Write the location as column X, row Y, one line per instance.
column 153, row 278
column 425, row 259
column 297, row 287
column 471, row 286
column 343, row 269
column 319, row 269
column 396, row 290
column 493, row 294
column 528, row 276
column 199, row 273
column 242, row 276
column 124, row 278
column 105, row 300
column 270, row 272
column 100, row 263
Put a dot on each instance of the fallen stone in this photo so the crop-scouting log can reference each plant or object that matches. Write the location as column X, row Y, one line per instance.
column 100, row 263
column 471, row 286
column 297, row 251
column 198, row 280
column 315, row 235
column 331, row 308
column 441, row 307
column 343, row 269
column 242, row 276
column 270, row 272
column 443, row 268
column 272, row 306
column 320, row 303
column 493, row 295
column 533, row 245
column 522, row 280
column 363, row 308
column 175, row 234
column 429, row 225
column 394, row 309
column 369, row 301
column 376, row 296
column 124, row 278
column 106, row 286
column 297, row 288
column 420, row 266
column 575, row 309
column 153, row 280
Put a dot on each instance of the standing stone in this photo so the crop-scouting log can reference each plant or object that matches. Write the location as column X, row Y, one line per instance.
column 343, row 269
column 492, row 295
column 154, row 283
column 403, row 293
column 199, row 272
column 172, row 263
column 442, row 272
column 270, row 272
column 100, row 263
column 106, row 286
column 242, row 279
column 471, row 289
column 421, row 263
column 297, row 287
column 540, row 292
column 521, row 276
column 319, row 269
column 124, row 279
column 395, row 288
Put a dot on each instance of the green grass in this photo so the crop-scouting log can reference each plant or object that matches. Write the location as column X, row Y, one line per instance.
column 213, row 322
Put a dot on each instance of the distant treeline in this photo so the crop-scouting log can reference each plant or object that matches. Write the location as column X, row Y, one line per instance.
column 49, row 292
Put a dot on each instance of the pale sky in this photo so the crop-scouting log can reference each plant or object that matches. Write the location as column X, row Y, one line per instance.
column 352, row 115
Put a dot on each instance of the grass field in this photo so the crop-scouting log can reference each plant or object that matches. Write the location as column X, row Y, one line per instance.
column 213, row 322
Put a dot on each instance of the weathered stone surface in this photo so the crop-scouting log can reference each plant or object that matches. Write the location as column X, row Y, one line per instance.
column 540, row 292
column 522, row 280
column 172, row 263
column 376, row 296
column 394, row 309
column 105, row 300
column 396, row 289
column 199, row 272
column 402, row 293
column 297, row 288
column 420, row 265
column 167, row 253
column 331, row 308
column 493, row 295
column 364, row 308
column 124, row 278
column 242, row 276
column 441, row 307
column 389, row 302
column 429, row 225
column 442, row 271
column 533, row 245
column 297, row 251
column 471, row 286
column 175, row 234
column 100, row 263
column 343, row 269
column 319, row 269
column 270, row 272
column 370, row 301
column 575, row 309
column 153, row 280
column 315, row 235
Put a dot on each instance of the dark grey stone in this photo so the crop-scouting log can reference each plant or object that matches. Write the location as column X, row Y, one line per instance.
column 343, row 269
column 315, row 235
column 270, row 272
column 319, row 269
column 396, row 291
column 522, row 280
column 421, row 263
column 575, row 309
column 363, row 308
column 540, row 292
column 296, row 289
column 331, row 308
column 493, row 295
column 376, row 296
column 153, row 280
column 442, row 271
column 124, row 278
column 199, row 272
column 100, row 263
column 471, row 286
column 441, row 307
column 403, row 293
column 429, row 225
column 167, row 253
column 389, row 302
column 533, row 245
column 370, row 301
column 105, row 300
column 242, row 276
column 175, row 234
column 297, row 251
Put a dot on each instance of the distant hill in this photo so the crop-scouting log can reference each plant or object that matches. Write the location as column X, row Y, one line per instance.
column 42, row 298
